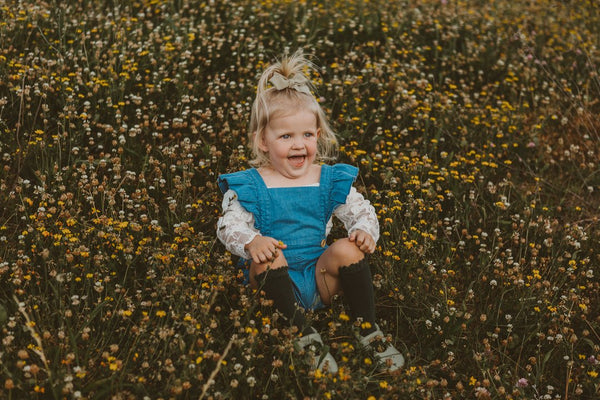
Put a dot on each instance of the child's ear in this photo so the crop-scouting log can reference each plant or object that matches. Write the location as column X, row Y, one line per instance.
column 260, row 142
column 318, row 133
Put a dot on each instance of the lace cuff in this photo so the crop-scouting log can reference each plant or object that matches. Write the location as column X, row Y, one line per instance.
column 235, row 228
column 358, row 213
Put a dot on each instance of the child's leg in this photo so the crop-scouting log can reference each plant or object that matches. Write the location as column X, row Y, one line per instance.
column 339, row 254
column 358, row 283
column 343, row 266
column 274, row 280
column 258, row 268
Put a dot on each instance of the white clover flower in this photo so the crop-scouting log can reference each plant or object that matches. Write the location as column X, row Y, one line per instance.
column 589, row 274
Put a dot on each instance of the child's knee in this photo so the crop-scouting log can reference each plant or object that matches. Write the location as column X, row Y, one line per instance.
column 346, row 252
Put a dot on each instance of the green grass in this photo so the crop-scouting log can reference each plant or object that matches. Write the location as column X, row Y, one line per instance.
column 474, row 124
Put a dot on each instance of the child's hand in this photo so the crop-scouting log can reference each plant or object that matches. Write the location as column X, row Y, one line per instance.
column 363, row 241
column 264, row 248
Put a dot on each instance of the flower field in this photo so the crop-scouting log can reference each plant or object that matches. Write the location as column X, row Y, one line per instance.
column 476, row 127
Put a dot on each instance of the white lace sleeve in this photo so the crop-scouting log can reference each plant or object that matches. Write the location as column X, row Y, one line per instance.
column 235, row 228
column 358, row 213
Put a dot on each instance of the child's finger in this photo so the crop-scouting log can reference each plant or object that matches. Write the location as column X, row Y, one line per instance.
column 366, row 245
column 361, row 239
column 266, row 255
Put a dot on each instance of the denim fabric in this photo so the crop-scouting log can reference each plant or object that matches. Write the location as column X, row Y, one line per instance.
column 297, row 216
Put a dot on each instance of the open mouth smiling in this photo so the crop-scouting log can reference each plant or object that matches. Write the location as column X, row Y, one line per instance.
column 297, row 159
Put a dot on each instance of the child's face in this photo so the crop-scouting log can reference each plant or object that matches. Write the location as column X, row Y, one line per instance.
column 290, row 142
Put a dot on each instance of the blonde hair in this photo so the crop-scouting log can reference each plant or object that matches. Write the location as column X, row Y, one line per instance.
column 271, row 102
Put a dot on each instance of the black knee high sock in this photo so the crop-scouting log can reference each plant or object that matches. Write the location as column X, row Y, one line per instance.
column 277, row 285
column 357, row 285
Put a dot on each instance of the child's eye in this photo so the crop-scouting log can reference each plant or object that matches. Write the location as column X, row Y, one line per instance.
column 285, row 136
column 308, row 134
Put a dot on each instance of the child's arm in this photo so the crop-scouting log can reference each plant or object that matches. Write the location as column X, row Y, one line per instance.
column 235, row 228
column 360, row 220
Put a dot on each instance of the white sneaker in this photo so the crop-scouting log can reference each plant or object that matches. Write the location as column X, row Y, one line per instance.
column 388, row 357
column 319, row 353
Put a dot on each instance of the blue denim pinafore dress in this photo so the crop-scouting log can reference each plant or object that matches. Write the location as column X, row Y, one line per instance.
column 297, row 216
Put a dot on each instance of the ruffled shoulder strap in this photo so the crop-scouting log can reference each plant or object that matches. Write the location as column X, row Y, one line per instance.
column 341, row 177
column 245, row 185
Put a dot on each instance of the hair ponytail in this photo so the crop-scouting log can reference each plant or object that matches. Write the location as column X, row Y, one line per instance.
column 284, row 86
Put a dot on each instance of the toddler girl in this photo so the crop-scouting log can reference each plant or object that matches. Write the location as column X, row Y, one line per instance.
column 277, row 215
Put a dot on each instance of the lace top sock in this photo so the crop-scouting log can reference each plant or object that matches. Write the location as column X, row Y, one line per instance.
column 277, row 285
column 357, row 285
